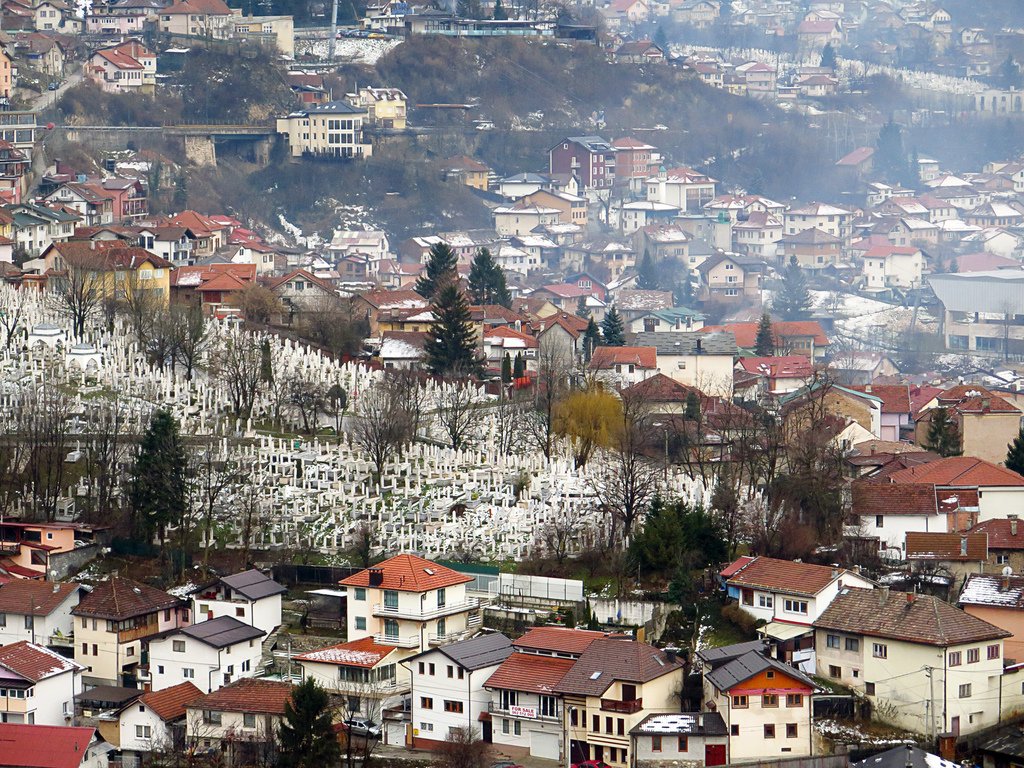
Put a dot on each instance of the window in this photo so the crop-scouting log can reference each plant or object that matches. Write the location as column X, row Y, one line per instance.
column 548, row 706
column 595, row 723
column 130, row 651
column 451, row 671
column 869, row 689
column 769, row 730
column 620, row 726
column 509, row 699
column 954, row 659
column 426, row 702
column 734, row 730
column 360, row 594
column 160, row 669
column 361, row 623
column 880, row 650
column 441, row 628
column 608, row 724
column 764, row 601
column 1002, row 559
column 834, row 671
column 239, row 611
column 248, row 720
column 188, row 673
column 440, row 598
column 965, row 691
column 739, row 702
column 852, row 644
column 210, row 717
column 973, row 655
column 504, row 726
column 993, row 651
column 879, row 521
column 85, row 649
column 178, row 646
column 430, row 669
column 769, row 700
column 143, row 732
column 517, row 728
column 422, row 667
column 794, row 700
column 453, row 706
column 462, row 673
column 390, row 629
column 683, row 745
column 796, row 606
column 426, row 726
column 791, row 730
column 390, row 598
column 655, row 743
column 29, row 622
column 832, row 641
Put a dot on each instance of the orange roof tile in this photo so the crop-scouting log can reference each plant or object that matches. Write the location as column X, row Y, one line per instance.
column 530, row 672
column 408, row 573
column 746, row 333
column 365, row 653
column 958, row 471
column 608, row 357
column 33, row 662
column 786, row 576
column 558, row 640
column 264, row 697
column 169, row 703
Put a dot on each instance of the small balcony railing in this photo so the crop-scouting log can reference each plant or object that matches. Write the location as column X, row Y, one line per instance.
column 425, row 613
column 622, row 707
column 410, row 641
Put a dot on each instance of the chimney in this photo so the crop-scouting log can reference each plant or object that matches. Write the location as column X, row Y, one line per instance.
column 700, row 347
column 867, row 389
column 835, row 572
column 856, row 569
column 670, row 654
column 1013, row 524
column 911, row 597
column 376, row 577
column 883, row 596
column 985, row 403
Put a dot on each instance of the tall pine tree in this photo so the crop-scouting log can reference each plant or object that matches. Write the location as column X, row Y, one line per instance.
column 306, row 733
column 487, row 281
column 793, row 301
column 943, row 435
column 764, row 344
column 647, row 275
column 1015, row 454
column 591, row 339
column 159, row 477
column 442, row 266
column 450, row 347
column 613, row 329
column 499, row 11
column 582, row 310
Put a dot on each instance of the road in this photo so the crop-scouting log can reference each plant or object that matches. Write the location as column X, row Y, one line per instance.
column 49, row 98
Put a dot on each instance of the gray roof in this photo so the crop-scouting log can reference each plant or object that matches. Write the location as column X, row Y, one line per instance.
column 478, row 652
column 716, row 657
column 905, row 756
column 337, row 107
column 253, row 584
column 591, row 143
column 746, row 666
column 222, row 632
column 685, row 342
column 682, row 724
column 527, row 178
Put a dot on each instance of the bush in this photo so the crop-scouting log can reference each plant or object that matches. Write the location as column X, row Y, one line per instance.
column 739, row 618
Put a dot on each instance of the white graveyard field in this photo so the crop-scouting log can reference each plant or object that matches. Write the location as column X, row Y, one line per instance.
column 310, row 494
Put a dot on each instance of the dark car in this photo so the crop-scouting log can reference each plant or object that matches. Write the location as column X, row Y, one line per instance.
column 53, row 86
column 591, row 764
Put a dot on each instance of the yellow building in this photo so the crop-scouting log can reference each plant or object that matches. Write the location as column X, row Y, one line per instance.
column 276, row 30
column 110, row 267
column 468, row 171
column 333, row 129
column 385, row 107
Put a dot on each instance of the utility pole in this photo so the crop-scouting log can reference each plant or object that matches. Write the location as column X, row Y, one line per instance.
column 334, row 31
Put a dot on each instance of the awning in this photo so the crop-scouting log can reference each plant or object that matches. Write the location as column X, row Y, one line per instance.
column 778, row 630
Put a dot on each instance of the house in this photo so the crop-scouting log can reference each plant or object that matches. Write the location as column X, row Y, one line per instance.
column 468, row 171
column 683, row 188
column 196, row 18
column 946, row 557
column 36, row 550
column 1005, row 543
column 613, row 686
column 176, row 244
column 402, row 350
column 448, row 691
column 687, row 737
column 408, row 602
column 217, row 289
column 778, row 375
column 156, row 720
column 639, row 52
column 502, row 341
column 909, row 232
column 858, row 161
column 332, row 129
column 385, row 107
column 522, row 217
column 885, row 646
column 619, row 367
column 700, row 14
column 210, row 654
column 39, row 685
column 701, row 360
column 572, row 208
column 998, row 599
column 897, row 416
column 94, row 205
column 14, row 167
column 831, row 219
column 635, row 162
column 371, row 676
column 839, row 403
column 127, row 67
column 302, row 293
column 38, row 611
column 66, row 747
column 239, row 721
column 790, row 596
column 812, row 249
column 759, row 235
column 986, row 422
column 890, row 512
column 269, row 31
column 114, row 269
column 113, row 620
column 56, row 15
column 791, row 337
column 817, row 86
column 859, row 367
column 765, row 705
column 590, row 158
column 729, row 278
column 381, row 307
column 666, row 320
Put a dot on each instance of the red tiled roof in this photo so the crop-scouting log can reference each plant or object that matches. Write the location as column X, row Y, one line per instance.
column 736, row 566
column 895, row 397
column 408, row 573
column 38, row 598
column 504, row 332
column 530, row 672
column 856, row 157
column 33, row 662
column 870, row 498
column 660, row 388
column 958, row 471
column 363, row 653
column 786, row 576
column 107, row 255
column 169, row 703
column 957, row 547
column 784, row 367
column 261, row 697
column 20, row 745
column 558, row 640
column 119, row 598
column 1000, row 533
column 608, row 357
column 277, row 282
column 746, row 333
column 199, row 7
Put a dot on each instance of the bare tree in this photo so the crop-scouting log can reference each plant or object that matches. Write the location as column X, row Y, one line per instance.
column 381, row 427
column 510, row 417
column 13, row 314
column 561, row 535
column 550, row 385
column 109, row 446
column 142, row 307
column 457, row 414
column 238, row 364
column 79, row 290
column 193, row 337
column 463, row 749
column 308, row 397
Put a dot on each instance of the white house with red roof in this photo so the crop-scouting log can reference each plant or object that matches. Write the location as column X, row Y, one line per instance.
column 684, row 188
column 409, row 602
column 893, row 267
column 122, row 68
column 624, row 366
column 37, row 686
column 504, row 340
column 202, row 18
column 145, row 725
column 778, row 375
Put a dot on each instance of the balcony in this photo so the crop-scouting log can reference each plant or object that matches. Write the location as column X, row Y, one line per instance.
column 523, row 713
column 450, row 637
column 622, row 707
column 410, row 641
column 424, row 614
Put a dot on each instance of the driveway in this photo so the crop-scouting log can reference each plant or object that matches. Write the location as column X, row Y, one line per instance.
column 48, row 99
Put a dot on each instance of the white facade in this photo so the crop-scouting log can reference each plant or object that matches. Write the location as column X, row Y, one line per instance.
column 712, row 374
column 892, row 530
column 334, row 129
column 517, row 221
column 526, row 720
column 48, row 701
column 178, row 658
column 794, row 607
column 142, row 729
column 996, row 502
column 264, row 613
column 40, row 629
column 446, row 696
column 410, row 619
column 898, row 270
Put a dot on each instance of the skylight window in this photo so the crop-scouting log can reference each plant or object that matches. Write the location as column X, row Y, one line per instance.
column 595, row 675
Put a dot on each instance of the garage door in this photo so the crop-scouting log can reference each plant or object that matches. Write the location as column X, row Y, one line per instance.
column 545, row 745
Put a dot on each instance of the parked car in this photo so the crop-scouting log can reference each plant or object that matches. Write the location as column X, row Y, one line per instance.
column 360, row 726
column 53, row 86
column 591, row 764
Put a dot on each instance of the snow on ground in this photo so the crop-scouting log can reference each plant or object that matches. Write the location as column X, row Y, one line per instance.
column 848, row 733
column 860, row 319
column 183, row 590
column 358, row 50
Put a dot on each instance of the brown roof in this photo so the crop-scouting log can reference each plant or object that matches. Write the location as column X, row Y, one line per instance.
column 199, row 7
column 169, row 703
column 786, row 576
column 33, row 662
column 608, row 357
column 895, row 398
column 121, row 598
column 874, row 498
column 661, row 389
column 608, row 660
column 261, row 697
column 107, row 255
column 902, row 616
column 558, row 640
column 530, row 672
column 365, row 653
column 38, row 598
column 959, row 547
column 408, row 573
column 1000, row 534
column 961, row 471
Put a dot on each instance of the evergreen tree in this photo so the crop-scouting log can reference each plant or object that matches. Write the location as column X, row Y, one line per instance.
column 519, row 370
column 469, row 9
column 764, row 345
column 647, row 277
column 582, row 310
column 692, row 411
column 499, row 11
column 450, row 347
column 487, row 281
column 441, row 269
column 591, row 339
column 613, row 329
column 1015, row 453
column 793, row 301
column 306, row 733
column 682, row 294
column 180, row 199
column 828, row 57
column 159, row 477
column 913, row 178
column 506, row 368
column 890, row 159
column 660, row 38
column 943, row 435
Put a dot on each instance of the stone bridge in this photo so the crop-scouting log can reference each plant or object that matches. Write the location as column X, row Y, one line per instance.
column 201, row 141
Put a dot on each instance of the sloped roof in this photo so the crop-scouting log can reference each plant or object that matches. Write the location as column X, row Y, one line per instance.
column 221, row 632
column 994, row 590
column 958, row 471
column 746, row 333
column 682, row 724
column 752, row 663
column 660, row 388
column 169, row 703
column 38, row 598
column 608, row 357
column 558, row 640
column 253, row 584
column 955, row 547
column 119, row 598
column 257, row 696
column 608, row 660
column 364, row 653
column 785, row 366
column 895, row 397
column 408, row 573
column 903, row 616
column 198, row 7
column 530, row 673
column 34, row 662
column 871, row 498
column 485, row 650
column 811, row 236
column 65, row 745
column 786, row 576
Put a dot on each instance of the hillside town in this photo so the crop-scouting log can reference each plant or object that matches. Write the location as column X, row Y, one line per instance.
column 511, row 384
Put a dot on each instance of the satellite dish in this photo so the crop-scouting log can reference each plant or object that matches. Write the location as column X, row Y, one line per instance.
column 1007, row 571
